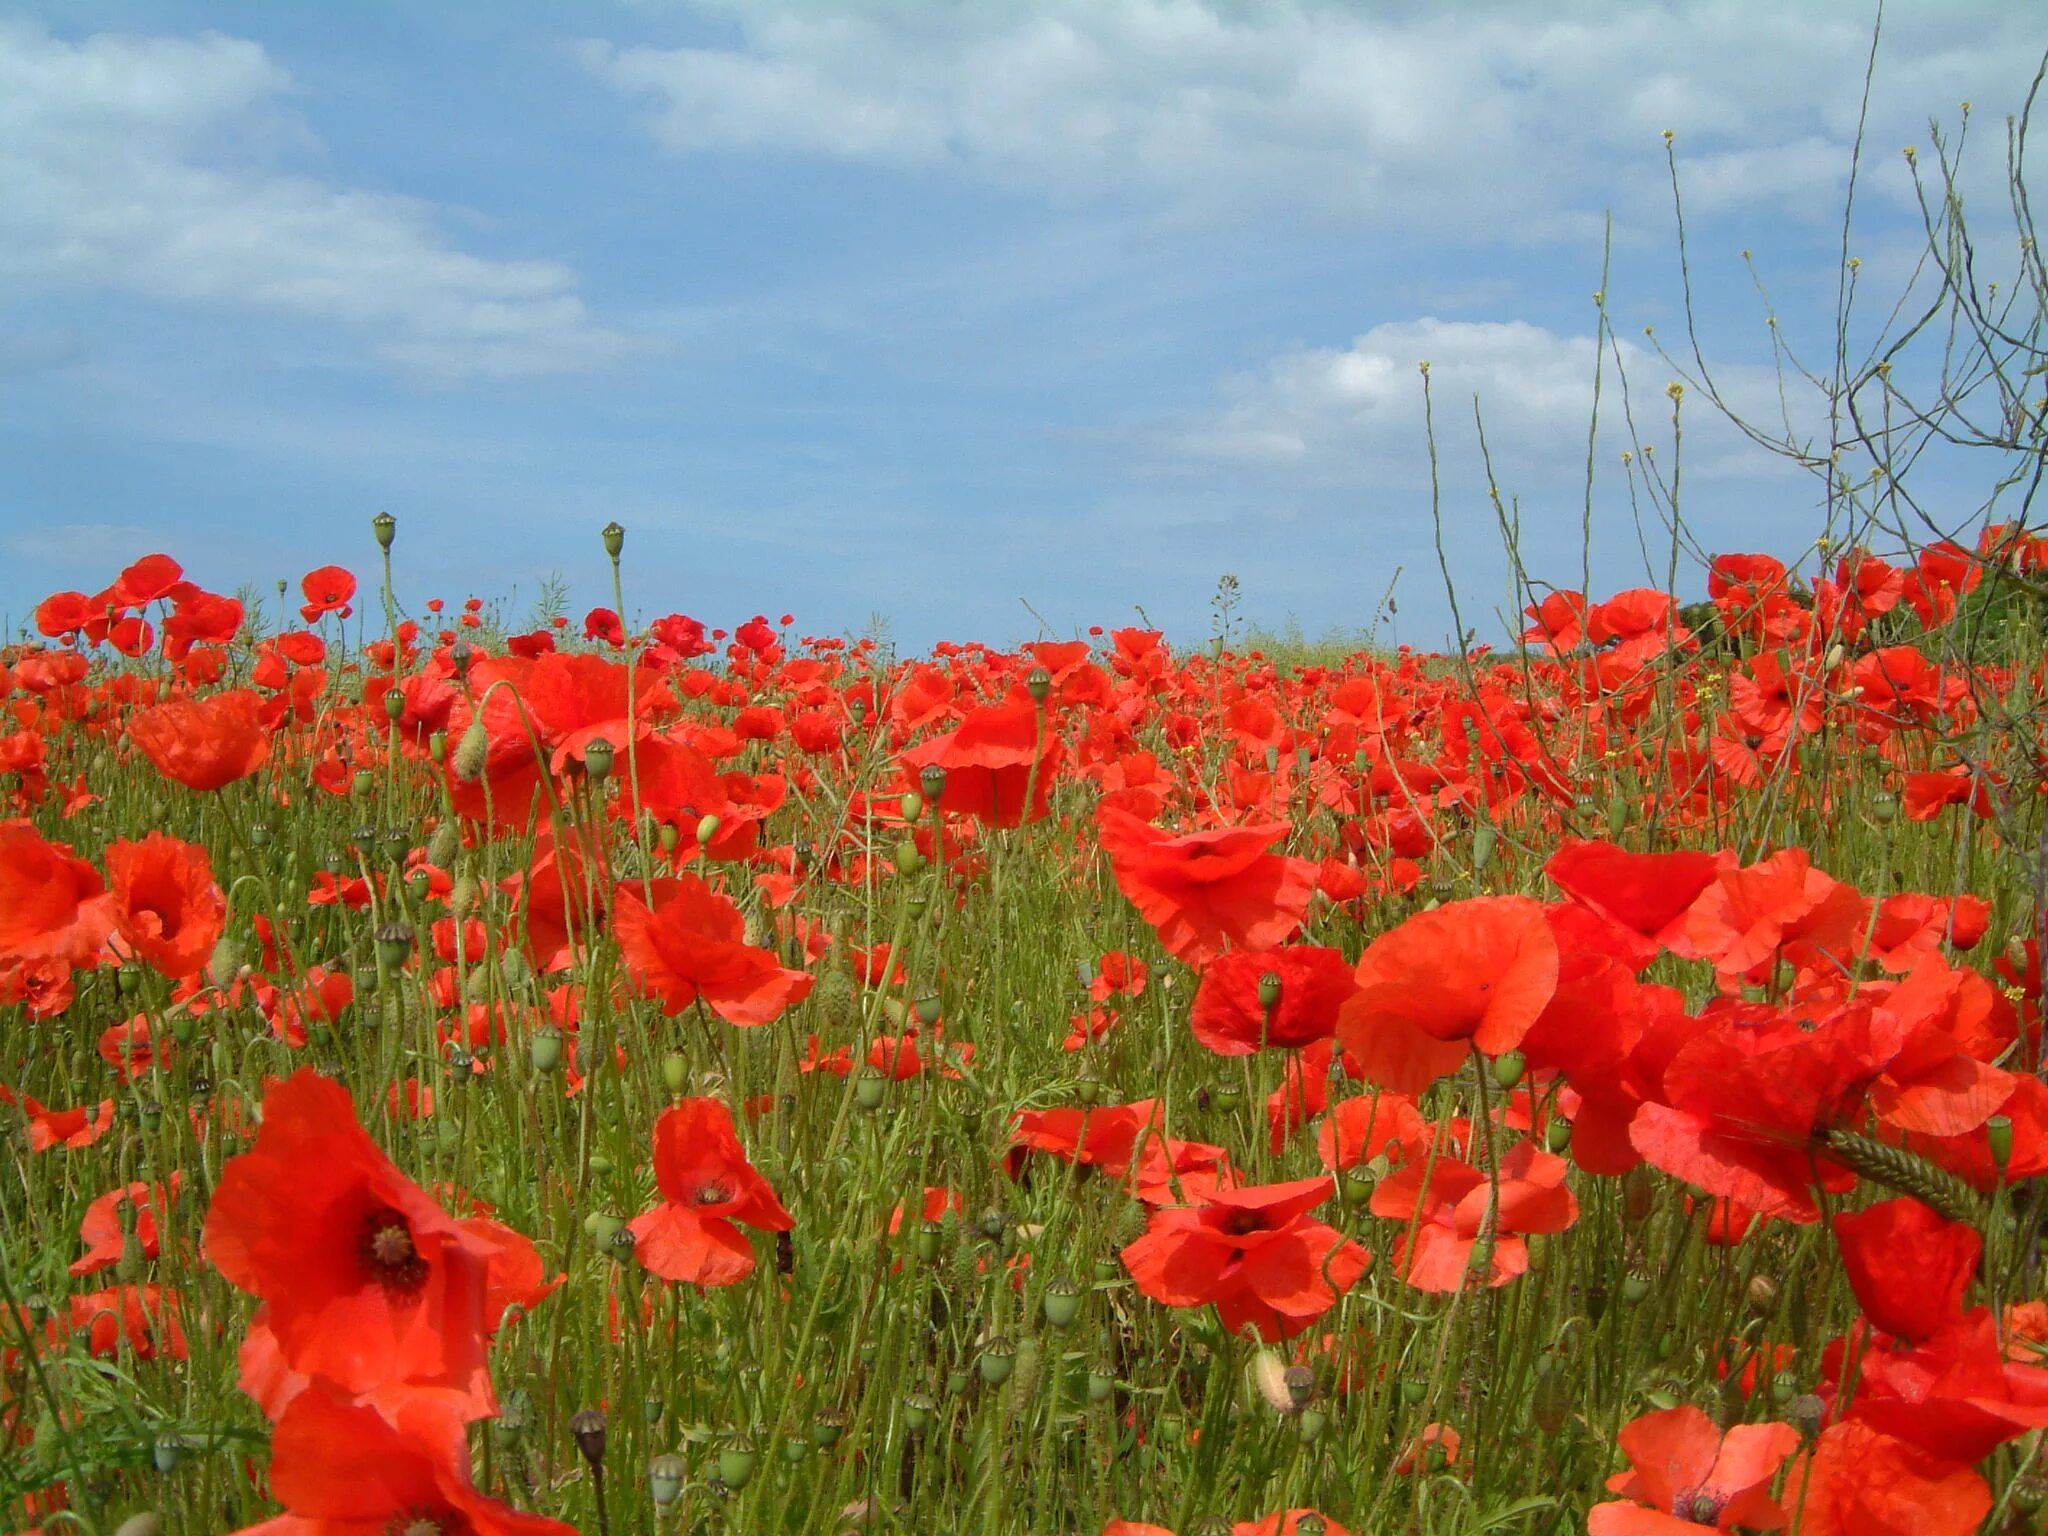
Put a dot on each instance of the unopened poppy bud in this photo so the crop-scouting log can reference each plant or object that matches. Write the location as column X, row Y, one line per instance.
column 1638, row 1194
column 1998, row 1135
column 675, row 1071
column 546, row 1049
column 1038, row 684
column 707, row 826
column 918, row 1408
column 933, row 781
column 998, row 1360
column 385, row 527
column 665, row 1475
column 1508, row 1068
column 614, row 537
column 907, row 858
column 597, row 757
column 473, row 752
column 1762, row 1295
column 1062, row 1302
column 1269, row 990
column 913, row 805
column 588, row 1426
column 1484, row 837
column 736, row 1461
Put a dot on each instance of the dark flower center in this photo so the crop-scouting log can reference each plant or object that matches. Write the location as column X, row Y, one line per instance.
column 1239, row 1222
column 392, row 1258
column 713, row 1194
column 428, row 1522
column 1699, row 1507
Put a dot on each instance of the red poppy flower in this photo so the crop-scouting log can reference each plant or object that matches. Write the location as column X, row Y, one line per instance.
column 369, row 1285
column 143, row 1317
column 1746, row 919
column 1282, row 998
column 53, row 907
column 344, row 1469
column 993, row 760
column 1449, row 1214
column 102, row 1230
column 1860, row 1482
column 205, row 743
column 1642, row 894
column 1909, row 1266
column 70, row 1128
column 707, row 1185
column 1253, row 1253
column 1689, row 1476
column 168, row 911
column 1103, row 1137
column 328, row 590
column 692, row 944
column 1204, row 890
column 1470, row 974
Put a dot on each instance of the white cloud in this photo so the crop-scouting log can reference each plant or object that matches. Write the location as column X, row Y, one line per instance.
column 142, row 165
column 1479, row 118
column 1351, row 415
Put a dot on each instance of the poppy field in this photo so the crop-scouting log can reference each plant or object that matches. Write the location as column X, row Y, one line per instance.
column 642, row 1078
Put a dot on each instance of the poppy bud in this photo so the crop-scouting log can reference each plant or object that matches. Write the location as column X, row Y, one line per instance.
column 587, row 1426
column 913, row 805
column 907, row 858
column 675, row 1071
column 1062, row 1302
column 1484, row 837
column 597, row 757
column 1998, row 1134
column 668, row 837
column 1508, row 1068
column 385, row 527
column 665, row 1476
column 546, row 1049
column 1762, row 1295
column 1038, row 685
column 1269, row 991
column 933, row 781
column 473, row 752
column 736, row 1461
column 614, row 538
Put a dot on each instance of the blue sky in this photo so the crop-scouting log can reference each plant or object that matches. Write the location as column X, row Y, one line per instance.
column 910, row 309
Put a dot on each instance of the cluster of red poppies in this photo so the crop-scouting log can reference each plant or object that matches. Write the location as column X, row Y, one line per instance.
column 679, row 820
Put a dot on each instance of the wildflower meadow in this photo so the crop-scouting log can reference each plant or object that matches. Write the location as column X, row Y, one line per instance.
column 628, row 1075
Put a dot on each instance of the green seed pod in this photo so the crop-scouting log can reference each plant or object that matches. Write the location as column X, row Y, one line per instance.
column 1062, row 1303
column 1998, row 1133
column 1634, row 1288
column 906, row 857
column 1508, row 1068
column 394, row 944
column 826, row 1430
column 932, row 780
column 1557, row 1135
column 870, row 1087
column 918, row 1409
column 928, row 1241
column 736, row 1461
column 385, row 527
column 675, row 1071
column 1269, row 991
column 602, row 1226
column 600, row 1163
column 545, row 1047
column 437, row 747
column 1100, row 1385
column 795, row 1450
column 168, row 1453
column 912, row 805
column 1884, row 806
column 614, row 537
column 363, row 782
column 1312, row 1423
column 1038, row 683
column 1414, row 1390
column 665, row 1478
column 998, row 1360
